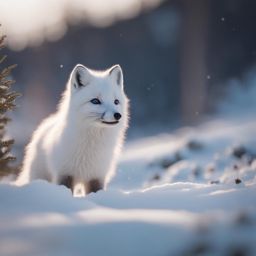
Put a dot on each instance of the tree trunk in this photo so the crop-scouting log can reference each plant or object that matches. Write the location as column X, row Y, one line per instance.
column 193, row 59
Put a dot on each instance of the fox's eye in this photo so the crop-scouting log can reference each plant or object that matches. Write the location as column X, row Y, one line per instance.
column 95, row 101
column 116, row 102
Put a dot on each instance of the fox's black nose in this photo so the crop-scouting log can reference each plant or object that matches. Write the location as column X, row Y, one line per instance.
column 117, row 116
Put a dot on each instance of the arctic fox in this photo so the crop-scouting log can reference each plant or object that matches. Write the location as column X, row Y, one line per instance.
column 81, row 141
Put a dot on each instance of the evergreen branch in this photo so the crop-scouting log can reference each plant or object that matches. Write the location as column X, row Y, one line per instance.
column 3, row 59
column 5, row 120
column 3, row 89
column 6, row 72
column 12, row 96
column 7, row 83
column 6, row 151
column 6, row 143
column 7, row 100
column 7, row 159
column 6, row 106
column 2, row 38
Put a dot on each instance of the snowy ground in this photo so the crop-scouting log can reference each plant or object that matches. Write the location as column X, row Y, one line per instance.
column 189, row 193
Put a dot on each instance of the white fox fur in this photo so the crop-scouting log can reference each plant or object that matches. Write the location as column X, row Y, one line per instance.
column 82, row 139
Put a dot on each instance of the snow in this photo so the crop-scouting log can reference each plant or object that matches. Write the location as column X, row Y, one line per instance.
column 174, row 194
column 43, row 219
column 191, row 192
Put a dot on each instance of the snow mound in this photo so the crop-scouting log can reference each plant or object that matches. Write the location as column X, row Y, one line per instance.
column 189, row 193
column 172, row 219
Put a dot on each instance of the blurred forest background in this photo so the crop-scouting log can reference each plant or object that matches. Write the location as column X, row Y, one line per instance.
column 176, row 54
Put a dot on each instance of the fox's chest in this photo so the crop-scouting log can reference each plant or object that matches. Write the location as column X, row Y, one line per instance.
column 84, row 155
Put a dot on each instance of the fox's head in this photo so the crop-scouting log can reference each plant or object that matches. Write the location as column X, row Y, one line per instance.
column 98, row 96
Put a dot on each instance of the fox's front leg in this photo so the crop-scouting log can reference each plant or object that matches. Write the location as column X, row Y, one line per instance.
column 93, row 185
column 67, row 181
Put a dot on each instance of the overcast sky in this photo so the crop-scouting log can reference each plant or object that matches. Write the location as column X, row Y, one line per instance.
column 30, row 22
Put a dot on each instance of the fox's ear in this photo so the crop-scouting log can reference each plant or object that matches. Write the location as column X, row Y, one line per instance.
column 80, row 76
column 116, row 75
